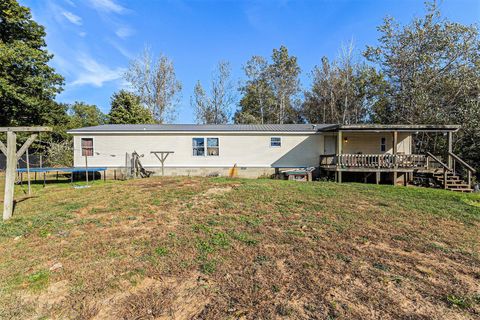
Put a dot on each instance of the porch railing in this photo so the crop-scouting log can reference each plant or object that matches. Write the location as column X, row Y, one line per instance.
column 428, row 162
column 382, row 161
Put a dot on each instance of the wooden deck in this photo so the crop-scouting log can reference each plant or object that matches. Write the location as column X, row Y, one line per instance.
column 377, row 162
column 454, row 175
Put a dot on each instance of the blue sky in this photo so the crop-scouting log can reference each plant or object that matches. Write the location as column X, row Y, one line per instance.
column 93, row 40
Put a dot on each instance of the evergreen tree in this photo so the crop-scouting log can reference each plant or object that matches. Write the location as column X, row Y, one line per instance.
column 126, row 108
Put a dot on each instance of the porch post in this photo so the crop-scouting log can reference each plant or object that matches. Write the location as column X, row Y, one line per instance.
column 394, row 151
column 339, row 142
column 395, row 142
column 450, row 148
column 339, row 153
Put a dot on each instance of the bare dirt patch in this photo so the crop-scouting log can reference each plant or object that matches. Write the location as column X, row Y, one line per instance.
column 55, row 293
column 217, row 191
column 168, row 182
column 166, row 298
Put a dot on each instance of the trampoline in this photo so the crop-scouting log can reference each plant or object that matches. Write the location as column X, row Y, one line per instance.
column 71, row 170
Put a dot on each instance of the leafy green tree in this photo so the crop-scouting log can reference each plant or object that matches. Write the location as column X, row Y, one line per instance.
column 28, row 85
column 270, row 94
column 283, row 74
column 85, row 115
column 256, row 105
column 126, row 108
column 432, row 68
column 64, row 117
column 258, row 102
column 59, row 119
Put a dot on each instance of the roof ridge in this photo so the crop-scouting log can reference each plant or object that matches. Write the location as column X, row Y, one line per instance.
column 287, row 127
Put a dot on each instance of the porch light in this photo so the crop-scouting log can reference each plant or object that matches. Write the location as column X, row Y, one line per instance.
column 345, row 139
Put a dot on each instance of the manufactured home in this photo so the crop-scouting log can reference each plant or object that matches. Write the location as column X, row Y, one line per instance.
column 376, row 153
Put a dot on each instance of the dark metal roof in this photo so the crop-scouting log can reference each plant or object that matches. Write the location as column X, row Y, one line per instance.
column 261, row 128
column 205, row 128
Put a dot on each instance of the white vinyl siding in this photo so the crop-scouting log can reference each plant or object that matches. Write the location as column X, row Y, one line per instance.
column 242, row 149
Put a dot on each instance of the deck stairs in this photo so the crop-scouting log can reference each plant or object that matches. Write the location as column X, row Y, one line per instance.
column 453, row 182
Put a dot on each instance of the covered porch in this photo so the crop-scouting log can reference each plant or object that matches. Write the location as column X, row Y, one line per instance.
column 387, row 150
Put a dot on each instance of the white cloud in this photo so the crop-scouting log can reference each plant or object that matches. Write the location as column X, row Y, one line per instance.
column 82, row 34
column 107, row 6
column 124, row 32
column 123, row 51
column 95, row 74
column 72, row 18
column 71, row 3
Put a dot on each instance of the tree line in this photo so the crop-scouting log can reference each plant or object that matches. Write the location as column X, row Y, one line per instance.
column 424, row 72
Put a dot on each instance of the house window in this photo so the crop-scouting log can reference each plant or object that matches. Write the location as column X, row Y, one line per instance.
column 275, row 142
column 383, row 144
column 212, row 145
column 198, row 146
column 87, row 147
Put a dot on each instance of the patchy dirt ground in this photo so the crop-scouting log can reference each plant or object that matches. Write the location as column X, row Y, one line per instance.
column 213, row 248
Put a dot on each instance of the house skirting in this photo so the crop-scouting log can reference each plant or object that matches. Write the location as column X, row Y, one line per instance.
column 241, row 172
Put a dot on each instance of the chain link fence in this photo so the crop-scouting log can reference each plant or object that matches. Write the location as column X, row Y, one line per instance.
column 36, row 161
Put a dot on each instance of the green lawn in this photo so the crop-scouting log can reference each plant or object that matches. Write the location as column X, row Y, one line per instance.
column 214, row 248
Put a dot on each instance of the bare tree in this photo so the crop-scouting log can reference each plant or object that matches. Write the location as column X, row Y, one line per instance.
column 202, row 105
column 340, row 90
column 215, row 109
column 155, row 81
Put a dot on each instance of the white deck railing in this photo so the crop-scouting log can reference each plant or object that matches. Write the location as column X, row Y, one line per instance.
column 382, row 161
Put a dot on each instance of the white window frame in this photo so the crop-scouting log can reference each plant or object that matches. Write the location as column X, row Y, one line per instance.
column 193, row 147
column 279, row 141
column 205, row 147
column 217, row 147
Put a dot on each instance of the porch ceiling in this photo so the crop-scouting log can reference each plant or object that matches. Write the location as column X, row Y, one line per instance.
column 394, row 127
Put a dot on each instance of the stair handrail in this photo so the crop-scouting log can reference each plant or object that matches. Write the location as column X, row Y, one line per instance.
column 466, row 165
column 446, row 167
column 470, row 169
